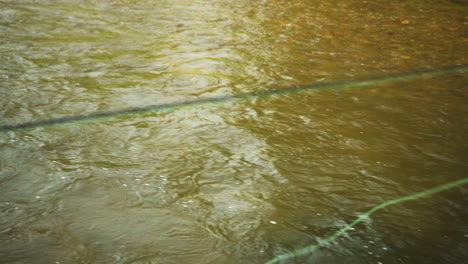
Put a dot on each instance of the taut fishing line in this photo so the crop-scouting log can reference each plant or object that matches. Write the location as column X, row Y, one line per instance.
column 240, row 97
column 331, row 238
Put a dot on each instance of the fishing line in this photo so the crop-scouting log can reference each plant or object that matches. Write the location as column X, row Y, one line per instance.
column 240, row 97
column 331, row 238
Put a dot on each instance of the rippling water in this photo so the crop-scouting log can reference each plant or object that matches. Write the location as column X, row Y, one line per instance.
column 239, row 182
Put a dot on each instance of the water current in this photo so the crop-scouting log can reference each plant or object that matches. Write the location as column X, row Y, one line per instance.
column 240, row 182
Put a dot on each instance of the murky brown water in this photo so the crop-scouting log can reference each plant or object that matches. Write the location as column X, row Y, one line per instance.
column 239, row 182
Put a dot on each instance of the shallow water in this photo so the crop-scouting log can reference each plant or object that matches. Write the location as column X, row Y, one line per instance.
column 236, row 182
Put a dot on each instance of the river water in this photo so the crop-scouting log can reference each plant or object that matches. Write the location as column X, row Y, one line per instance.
column 240, row 182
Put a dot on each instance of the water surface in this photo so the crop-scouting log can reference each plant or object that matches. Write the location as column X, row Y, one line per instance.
column 238, row 182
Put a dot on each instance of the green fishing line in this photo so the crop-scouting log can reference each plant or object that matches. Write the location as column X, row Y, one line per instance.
column 312, row 248
column 161, row 108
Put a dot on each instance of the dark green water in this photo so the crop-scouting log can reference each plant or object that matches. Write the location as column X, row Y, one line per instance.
column 240, row 182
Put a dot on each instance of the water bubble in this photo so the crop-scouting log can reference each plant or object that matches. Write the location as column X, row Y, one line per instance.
column 319, row 214
column 124, row 185
column 38, row 197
